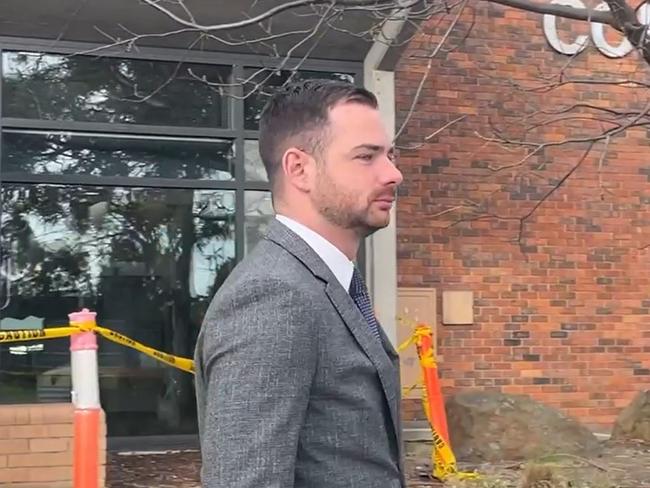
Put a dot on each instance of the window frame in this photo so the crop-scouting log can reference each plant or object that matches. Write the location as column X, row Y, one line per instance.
column 236, row 131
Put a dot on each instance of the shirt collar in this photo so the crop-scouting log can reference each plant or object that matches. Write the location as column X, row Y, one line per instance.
column 341, row 266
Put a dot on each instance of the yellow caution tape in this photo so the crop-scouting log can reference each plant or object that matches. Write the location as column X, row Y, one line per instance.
column 36, row 334
column 427, row 360
column 444, row 460
column 84, row 326
column 419, row 332
column 184, row 364
column 175, row 361
column 178, row 362
column 406, row 343
column 443, row 457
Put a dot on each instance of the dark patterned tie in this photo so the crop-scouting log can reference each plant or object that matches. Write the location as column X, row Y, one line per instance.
column 359, row 294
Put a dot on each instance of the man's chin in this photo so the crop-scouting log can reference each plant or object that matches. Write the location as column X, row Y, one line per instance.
column 374, row 226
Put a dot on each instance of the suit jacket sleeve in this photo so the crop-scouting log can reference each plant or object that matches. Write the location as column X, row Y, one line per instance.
column 259, row 357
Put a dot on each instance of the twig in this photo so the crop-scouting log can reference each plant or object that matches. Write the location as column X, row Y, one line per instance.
column 278, row 67
column 584, row 14
column 272, row 12
column 589, row 139
column 427, row 70
column 453, row 209
column 433, row 134
column 522, row 220
column 628, row 83
column 555, row 187
column 600, row 168
column 577, row 458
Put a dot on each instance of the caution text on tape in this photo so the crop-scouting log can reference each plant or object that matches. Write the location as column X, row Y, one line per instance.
column 181, row 363
column 184, row 364
column 36, row 334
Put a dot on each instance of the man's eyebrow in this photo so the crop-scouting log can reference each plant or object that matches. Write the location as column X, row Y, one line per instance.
column 369, row 147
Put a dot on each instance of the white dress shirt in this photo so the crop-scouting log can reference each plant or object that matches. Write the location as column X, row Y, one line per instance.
column 341, row 266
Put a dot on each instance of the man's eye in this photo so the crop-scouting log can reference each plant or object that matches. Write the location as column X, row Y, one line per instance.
column 366, row 157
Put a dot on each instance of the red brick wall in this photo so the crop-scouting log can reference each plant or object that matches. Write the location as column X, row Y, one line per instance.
column 36, row 446
column 562, row 313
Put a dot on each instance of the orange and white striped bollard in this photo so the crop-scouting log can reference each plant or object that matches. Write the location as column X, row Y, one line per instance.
column 85, row 398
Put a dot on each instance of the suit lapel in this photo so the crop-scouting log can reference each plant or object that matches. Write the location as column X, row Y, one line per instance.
column 382, row 356
column 373, row 349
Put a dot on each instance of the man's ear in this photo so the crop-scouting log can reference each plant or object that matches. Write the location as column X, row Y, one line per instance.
column 296, row 166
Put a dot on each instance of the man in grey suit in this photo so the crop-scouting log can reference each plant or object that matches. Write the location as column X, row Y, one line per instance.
column 297, row 384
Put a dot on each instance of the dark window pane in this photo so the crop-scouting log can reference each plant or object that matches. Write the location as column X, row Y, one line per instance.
column 267, row 81
column 64, row 153
column 148, row 261
column 100, row 89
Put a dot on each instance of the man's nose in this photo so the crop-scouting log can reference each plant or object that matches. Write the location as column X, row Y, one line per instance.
column 392, row 175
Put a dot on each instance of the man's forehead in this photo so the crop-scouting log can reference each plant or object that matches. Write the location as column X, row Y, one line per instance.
column 352, row 106
column 356, row 119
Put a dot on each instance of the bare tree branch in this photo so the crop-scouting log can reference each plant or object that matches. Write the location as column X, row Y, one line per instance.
column 282, row 64
column 586, row 106
column 295, row 4
column 524, row 218
column 427, row 70
column 547, row 87
column 601, row 161
column 635, row 32
column 433, row 134
column 538, row 146
column 547, row 195
column 569, row 118
column 414, row 18
column 586, row 14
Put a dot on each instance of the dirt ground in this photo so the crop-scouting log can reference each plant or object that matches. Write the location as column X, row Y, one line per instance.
column 619, row 466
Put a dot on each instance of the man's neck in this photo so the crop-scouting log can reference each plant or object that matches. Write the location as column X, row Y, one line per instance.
column 345, row 240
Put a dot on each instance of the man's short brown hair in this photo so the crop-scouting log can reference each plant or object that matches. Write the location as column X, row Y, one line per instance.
column 298, row 114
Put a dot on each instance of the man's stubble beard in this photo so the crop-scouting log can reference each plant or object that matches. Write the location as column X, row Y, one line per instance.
column 339, row 207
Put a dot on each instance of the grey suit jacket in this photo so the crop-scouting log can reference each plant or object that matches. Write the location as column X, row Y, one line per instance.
column 293, row 390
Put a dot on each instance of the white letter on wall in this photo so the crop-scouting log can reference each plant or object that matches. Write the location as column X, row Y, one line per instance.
column 598, row 35
column 550, row 31
column 625, row 47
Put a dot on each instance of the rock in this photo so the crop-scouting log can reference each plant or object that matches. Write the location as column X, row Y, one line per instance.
column 633, row 423
column 492, row 426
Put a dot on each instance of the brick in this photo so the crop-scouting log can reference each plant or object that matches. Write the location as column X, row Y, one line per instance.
column 9, row 446
column 60, row 430
column 574, row 280
column 54, row 413
column 530, row 357
column 13, row 415
column 521, row 334
column 40, row 459
column 44, row 484
column 28, row 431
column 51, row 444
column 51, row 474
column 11, row 474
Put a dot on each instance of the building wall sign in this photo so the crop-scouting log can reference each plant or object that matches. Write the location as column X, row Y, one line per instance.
column 597, row 32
